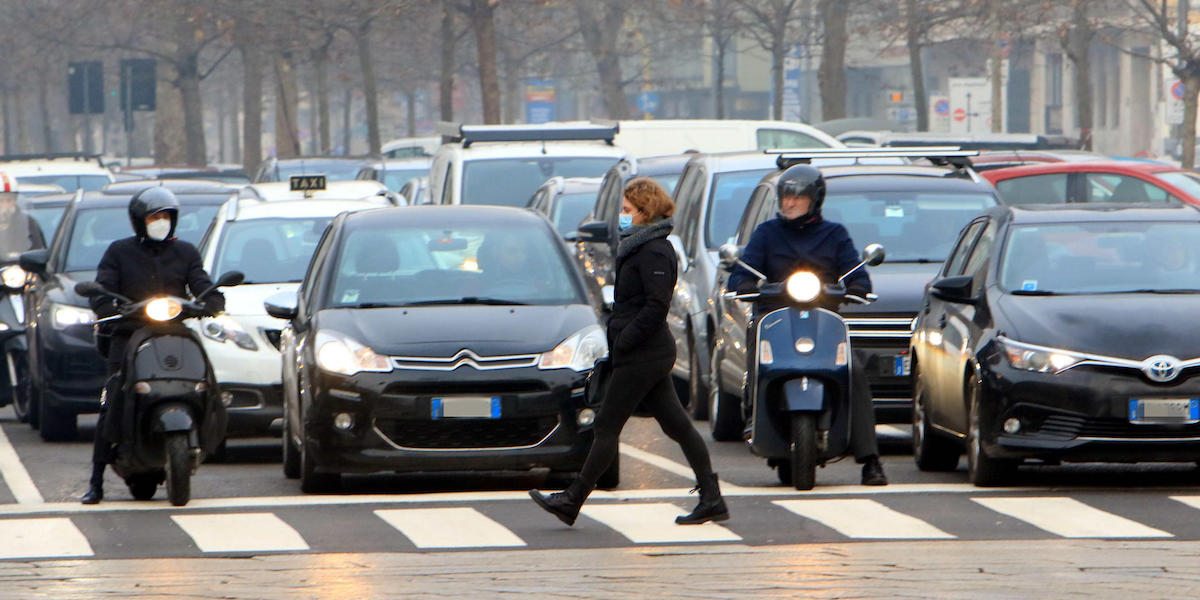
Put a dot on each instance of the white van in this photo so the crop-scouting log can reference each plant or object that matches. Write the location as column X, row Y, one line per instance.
column 411, row 147
column 676, row 136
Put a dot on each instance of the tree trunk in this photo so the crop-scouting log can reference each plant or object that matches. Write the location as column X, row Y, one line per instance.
column 600, row 35
column 252, row 106
column 719, row 77
column 287, row 138
column 370, row 89
column 1077, row 47
column 483, row 22
column 193, row 111
column 235, row 142
column 44, row 107
column 410, row 109
column 169, row 131
column 346, row 109
column 6, row 110
column 1187, row 131
column 22, row 130
column 446, row 82
column 778, row 53
column 321, row 65
column 915, row 65
column 997, row 92
column 832, row 72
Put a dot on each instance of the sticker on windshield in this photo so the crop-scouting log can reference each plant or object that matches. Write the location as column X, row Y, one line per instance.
column 1029, row 285
column 350, row 296
column 896, row 212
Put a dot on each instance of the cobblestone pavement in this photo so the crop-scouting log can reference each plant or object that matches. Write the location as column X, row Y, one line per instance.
column 953, row 569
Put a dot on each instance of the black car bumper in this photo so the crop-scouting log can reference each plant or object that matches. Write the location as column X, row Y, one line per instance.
column 72, row 371
column 252, row 409
column 1083, row 415
column 395, row 427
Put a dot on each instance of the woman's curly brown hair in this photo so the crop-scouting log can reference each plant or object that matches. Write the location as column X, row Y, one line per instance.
column 649, row 198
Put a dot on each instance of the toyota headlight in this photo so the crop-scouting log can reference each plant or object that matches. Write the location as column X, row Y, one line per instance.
column 13, row 276
column 225, row 328
column 163, row 309
column 340, row 354
column 803, row 286
column 1039, row 359
column 67, row 316
column 578, row 352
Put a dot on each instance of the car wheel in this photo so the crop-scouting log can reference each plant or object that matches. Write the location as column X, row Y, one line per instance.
column 21, row 404
column 724, row 413
column 984, row 470
column 697, row 390
column 312, row 481
column 34, row 396
column 291, row 454
column 931, row 450
column 57, row 425
column 611, row 478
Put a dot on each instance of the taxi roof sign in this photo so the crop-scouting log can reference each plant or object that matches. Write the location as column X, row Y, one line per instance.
column 307, row 183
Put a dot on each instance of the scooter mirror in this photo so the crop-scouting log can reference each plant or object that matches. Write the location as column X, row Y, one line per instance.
column 873, row 254
column 87, row 289
column 729, row 253
column 231, row 278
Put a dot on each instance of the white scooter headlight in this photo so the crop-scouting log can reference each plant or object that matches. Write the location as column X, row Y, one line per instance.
column 803, row 286
column 163, row 309
column 13, row 276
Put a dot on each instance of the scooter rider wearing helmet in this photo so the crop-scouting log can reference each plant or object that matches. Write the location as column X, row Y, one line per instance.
column 799, row 239
column 150, row 263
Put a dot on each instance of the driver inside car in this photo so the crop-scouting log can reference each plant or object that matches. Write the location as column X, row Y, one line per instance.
column 799, row 239
column 150, row 263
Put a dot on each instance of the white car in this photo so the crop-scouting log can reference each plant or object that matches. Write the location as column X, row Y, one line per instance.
column 70, row 171
column 271, row 243
column 357, row 189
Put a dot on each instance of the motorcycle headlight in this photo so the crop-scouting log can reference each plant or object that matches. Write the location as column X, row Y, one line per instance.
column 339, row 354
column 803, row 286
column 224, row 328
column 1039, row 359
column 67, row 316
column 13, row 276
column 163, row 309
column 578, row 352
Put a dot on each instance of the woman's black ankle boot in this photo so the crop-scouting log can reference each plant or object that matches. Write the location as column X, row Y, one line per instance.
column 712, row 505
column 565, row 504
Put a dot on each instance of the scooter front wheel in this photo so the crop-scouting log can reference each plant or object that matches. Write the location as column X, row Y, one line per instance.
column 179, row 468
column 803, row 463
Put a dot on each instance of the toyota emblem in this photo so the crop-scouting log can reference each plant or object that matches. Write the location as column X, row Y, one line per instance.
column 1161, row 368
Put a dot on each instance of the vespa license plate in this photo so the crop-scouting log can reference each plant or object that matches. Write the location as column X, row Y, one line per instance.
column 902, row 365
column 1164, row 410
column 465, row 407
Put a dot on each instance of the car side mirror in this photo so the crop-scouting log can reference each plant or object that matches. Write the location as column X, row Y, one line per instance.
column 873, row 255
column 593, row 231
column 283, row 305
column 34, row 261
column 954, row 289
column 608, row 294
column 230, row 278
column 571, row 236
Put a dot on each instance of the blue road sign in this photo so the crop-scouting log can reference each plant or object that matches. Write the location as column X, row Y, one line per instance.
column 647, row 102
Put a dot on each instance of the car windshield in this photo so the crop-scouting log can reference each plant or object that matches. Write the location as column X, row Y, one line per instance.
column 913, row 226
column 570, row 210
column 1095, row 258
column 270, row 250
column 394, row 180
column 338, row 170
column 96, row 228
column 511, row 181
column 484, row 264
column 69, row 183
column 730, row 194
column 1188, row 182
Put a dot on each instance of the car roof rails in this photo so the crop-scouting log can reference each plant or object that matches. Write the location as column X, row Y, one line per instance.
column 76, row 156
column 939, row 155
column 470, row 134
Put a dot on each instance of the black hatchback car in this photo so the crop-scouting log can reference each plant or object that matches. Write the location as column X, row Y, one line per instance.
column 1059, row 333
column 64, row 372
column 437, row 338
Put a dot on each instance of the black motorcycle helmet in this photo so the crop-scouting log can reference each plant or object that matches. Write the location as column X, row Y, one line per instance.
column 802, row 180
column 149, row 201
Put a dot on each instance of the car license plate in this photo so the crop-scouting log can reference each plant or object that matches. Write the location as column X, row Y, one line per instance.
column 902, row 365
column 1164, row 410
column 465, row 407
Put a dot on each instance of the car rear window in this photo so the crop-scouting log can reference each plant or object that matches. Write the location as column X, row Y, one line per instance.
column 511, row 181
column 912, row 226
column 96, row 228
column 270, row 250
column 730, row 194
column 1034, row 189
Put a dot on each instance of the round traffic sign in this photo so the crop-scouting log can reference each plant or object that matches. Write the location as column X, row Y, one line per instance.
column 942, row 107
column 960, row 114
column 1177, row 90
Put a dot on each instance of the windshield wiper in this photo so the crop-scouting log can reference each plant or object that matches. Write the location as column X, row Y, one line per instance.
column 1156, row 291
column 372, row 305
column 468, row 300
column 1034, row 293
column 922, row 261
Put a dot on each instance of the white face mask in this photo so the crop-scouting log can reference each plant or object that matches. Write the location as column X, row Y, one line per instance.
column 158, row 230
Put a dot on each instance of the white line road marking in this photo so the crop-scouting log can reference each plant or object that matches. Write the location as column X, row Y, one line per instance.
column 1192, row 501
column 249, row 532
column 450, row 528
column 669, row 465
column 42, row 538
column 15, row 475
column 860, row 518
column 655, row 524
column 1070, row 518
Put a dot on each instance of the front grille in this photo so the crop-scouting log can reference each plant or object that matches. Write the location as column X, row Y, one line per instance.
column 881, row 327
column 272, row 336
column 1066, row 427
column 450, row 387
column 77, row 364
column 465, row 358
column 463, row 434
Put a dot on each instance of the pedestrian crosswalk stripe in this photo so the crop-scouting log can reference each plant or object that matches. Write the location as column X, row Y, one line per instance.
column 246, row 532
column 861, row 518
column 655, row 524
column 42, row 538
column 1192, row 501
column 1070, row 518
column 456, row 527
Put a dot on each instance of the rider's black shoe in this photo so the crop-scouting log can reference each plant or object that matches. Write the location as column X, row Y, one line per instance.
column 94, row 495
column 872, row 472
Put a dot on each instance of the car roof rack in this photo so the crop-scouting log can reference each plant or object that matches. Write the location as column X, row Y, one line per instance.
column 939, row 155
column 470, row 134
column 76, row 156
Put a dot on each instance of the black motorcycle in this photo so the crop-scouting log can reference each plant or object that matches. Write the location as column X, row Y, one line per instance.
column 12, row 337
column 171, row 415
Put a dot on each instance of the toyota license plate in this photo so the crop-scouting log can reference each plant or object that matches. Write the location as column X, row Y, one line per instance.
column 465, row 407
column 1164, row 410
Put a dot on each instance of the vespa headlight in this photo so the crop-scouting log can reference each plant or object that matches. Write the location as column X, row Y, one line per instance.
column 1039, row 359
column 67, row 316
column 163, row 309
column 578, row 352
column 803, row 286
column 340, row 354
column 225, row 328
column 13, row 276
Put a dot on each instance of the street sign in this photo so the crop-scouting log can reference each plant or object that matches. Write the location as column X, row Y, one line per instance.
column 1178, row 89
column 942, row 107
column 1174, row 101
column 539, row 100
column 85, row 87
column 138, row 82
column 960, row 114
column 647, row 102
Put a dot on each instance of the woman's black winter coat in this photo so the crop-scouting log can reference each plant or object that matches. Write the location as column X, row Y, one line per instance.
column 637, row 329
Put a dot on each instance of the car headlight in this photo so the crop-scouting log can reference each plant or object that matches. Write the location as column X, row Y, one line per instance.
column 13, row 276
column 1039, row 359
column 224, row 328
column 67, row 316
column 803, row 286
column 163, row 309
column 578, row 352
column 339, row 354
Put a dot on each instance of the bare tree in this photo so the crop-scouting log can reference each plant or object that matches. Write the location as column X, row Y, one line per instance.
column 602, row 23
column 832, row 72
column 771, row 24
column 1183, row 60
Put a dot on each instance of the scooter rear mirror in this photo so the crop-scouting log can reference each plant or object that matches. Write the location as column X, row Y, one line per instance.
column 231, row 278
column 729, row 253
column 873, row 254
column 88, row 289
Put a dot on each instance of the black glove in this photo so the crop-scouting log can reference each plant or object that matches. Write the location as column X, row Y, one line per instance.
column 206, row 311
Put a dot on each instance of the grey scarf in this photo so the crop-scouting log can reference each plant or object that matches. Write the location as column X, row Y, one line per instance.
column 637, row 235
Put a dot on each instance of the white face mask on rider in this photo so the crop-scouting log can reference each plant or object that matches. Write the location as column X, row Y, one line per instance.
column 159, row 229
